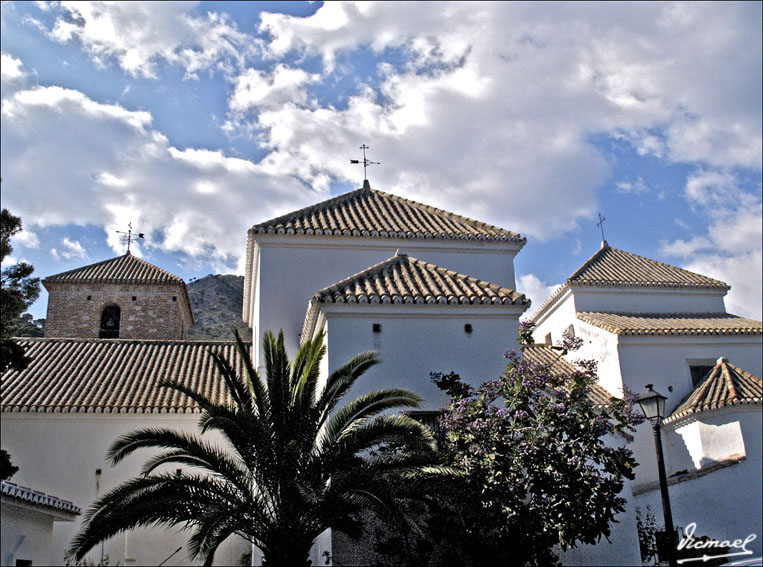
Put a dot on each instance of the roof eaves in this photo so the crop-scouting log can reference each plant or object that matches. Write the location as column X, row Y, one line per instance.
column 36, row 498
column 603, row 320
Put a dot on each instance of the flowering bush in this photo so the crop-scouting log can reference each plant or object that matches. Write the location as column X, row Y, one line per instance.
column 542, row 463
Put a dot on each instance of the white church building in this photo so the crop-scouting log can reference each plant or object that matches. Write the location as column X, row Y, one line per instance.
column 431, row 291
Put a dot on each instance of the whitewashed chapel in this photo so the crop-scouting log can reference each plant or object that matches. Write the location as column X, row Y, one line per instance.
column 428, row 289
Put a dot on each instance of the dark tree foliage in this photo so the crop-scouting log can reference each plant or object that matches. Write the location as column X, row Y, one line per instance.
column 7, row 470
column 18, row 290
column 542, row 473
column 28, row 326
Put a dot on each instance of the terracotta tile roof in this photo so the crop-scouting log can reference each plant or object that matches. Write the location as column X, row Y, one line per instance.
column 725, row 385
column 673, row 324
column 371, row 213
column 113, row 375
column 611, row 267
column 29, row 496
column 123, row 269
column 547, row 356
column 404, row 279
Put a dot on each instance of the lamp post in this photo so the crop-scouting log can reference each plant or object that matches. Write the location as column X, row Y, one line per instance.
column 653, row 406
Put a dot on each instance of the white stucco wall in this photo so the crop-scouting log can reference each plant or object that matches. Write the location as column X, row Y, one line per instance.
column 648, row 300
column 602, row 347
column 664, row 362
column 578, row 299
column 726, row 503
column 25, row 533
column 622, row 548
column 292, row 268
column 60, row 453
column 418, row 339
column 555, row 318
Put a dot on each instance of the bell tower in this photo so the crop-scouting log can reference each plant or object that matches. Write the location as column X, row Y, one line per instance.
column 120, row 298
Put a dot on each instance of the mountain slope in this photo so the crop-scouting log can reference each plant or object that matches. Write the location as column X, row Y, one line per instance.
column 217, row 301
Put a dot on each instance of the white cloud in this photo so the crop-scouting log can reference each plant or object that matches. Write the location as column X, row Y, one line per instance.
column 61, row 101
column 138, row 35
column 717, row 188
column 13, row 76
column 27, row 239
column 71, row 249
column 637, row 186
column 254, row 88
column 535, row 290
column 731, row 249
column 499, row 100
column 106, row 166
column 11, row 69
column 742, row 272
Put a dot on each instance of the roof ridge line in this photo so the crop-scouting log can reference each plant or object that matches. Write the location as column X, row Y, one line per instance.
column 100, row 262
column 729, row 380
column 313, row 207
column 117, row 263
column 431, row 208
column 374, row 269
column 704, row 397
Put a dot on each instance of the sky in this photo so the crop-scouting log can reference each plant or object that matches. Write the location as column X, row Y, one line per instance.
column 195, row 120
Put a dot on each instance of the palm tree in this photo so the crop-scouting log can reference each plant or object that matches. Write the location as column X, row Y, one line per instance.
column 296, row 463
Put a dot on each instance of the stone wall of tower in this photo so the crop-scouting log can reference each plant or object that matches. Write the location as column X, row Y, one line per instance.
column 147, row 311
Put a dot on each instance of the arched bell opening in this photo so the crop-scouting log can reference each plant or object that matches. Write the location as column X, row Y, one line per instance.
column 110, row 322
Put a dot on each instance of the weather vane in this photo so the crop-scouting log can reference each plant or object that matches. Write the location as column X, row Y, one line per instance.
column 127, row 238
column 600, row 224
column 366, row 163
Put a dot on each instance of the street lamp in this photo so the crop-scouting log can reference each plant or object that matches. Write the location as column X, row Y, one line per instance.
column 653, row 405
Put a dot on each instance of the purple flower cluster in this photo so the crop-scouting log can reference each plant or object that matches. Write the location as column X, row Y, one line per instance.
column 532, row 445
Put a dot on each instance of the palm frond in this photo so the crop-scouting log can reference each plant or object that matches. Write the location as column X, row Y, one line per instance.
column 238, row 391
column 197, row 397
column 305, row 372
column 277, row 370
column 253, row 380
column 162, row 500
column 211, row 460
column 363, row 408
column 396, row 430
column 341, row 380
column 148, row 438
column 294, row 462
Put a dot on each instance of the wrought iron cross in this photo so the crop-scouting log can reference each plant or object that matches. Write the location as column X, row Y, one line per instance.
column 366, row 162
column 128, row 236
column 600, row 224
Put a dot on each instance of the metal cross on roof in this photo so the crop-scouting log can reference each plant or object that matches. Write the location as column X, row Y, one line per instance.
column 366, row 163
column 127, row 238
column 600, row 224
